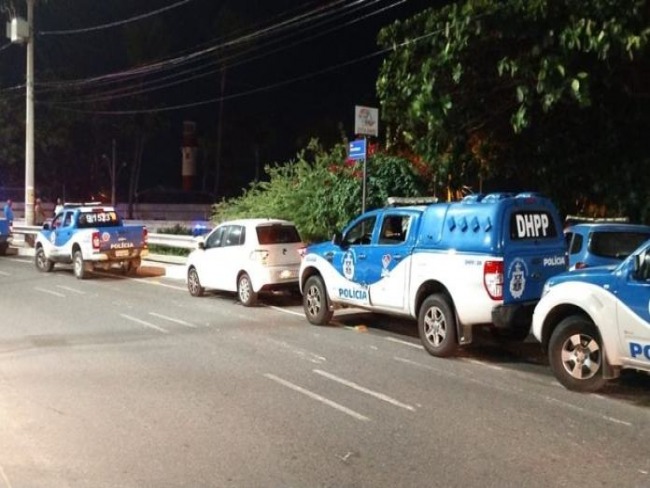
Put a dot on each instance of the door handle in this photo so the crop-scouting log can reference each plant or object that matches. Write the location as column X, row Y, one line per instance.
column 397, row 257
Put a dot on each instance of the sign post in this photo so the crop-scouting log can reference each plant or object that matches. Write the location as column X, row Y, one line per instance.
column 366, row 123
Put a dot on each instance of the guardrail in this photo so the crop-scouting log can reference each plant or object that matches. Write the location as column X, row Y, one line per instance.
column 167, row 240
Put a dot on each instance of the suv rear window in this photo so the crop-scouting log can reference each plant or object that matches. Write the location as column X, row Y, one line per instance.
column 615, row 244
column 277, row 234
column 98, row 219
column 532, row 225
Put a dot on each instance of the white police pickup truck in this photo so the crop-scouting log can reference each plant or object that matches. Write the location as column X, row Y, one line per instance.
column 452, row 266
column 595, row 322
column 90, row 236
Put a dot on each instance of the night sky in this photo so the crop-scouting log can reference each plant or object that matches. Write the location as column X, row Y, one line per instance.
column 284, row 87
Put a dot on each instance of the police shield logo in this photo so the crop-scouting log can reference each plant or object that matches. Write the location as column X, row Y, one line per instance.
column 348, row 265
column 517, row 276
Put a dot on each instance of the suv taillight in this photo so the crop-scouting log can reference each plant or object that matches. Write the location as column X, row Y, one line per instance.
column 95, row 240
column 493, row 279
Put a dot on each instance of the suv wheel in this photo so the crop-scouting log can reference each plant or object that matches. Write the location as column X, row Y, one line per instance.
column 194, row 284
column 576, row 355
column 245, row 292
column 42, row 263
column 315, row 302
column 437, row 326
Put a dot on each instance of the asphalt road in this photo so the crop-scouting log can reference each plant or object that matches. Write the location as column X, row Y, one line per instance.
column 131, row 382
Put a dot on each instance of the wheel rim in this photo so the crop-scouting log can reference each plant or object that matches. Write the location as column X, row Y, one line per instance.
column 40, row 259
column 581, row 356
column 314, row 301
column 244, row 289
column 78, row 266
column 435, row 326
column 193, row 282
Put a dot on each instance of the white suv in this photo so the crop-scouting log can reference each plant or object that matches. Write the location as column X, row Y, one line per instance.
column 246, row 256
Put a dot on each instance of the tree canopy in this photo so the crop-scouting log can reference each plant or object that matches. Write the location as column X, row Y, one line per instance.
column 527, row 94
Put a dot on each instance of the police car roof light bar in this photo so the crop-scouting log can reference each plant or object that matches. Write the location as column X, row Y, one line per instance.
column 403, row 201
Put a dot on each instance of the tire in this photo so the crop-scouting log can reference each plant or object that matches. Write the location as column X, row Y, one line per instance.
column 437, row 326
column 131, row 268
column 194, row 284
column 3, row 248
column 315, row 302
column 576, row 355
column 42, row 263
column 79, row 266
column 245, row 292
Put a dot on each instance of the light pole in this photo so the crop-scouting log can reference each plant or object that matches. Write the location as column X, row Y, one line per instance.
column 113, row 171
column 29, row 119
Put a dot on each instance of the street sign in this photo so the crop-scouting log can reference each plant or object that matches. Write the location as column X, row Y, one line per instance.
column 357, row 149
column 366, row 121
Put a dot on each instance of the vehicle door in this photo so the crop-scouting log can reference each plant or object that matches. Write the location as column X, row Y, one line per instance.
column 350, row 260
column 534, row 250
column 62, row 234
column 207, row 261
column 388, row 266
column 232, row 257
column 633, row 309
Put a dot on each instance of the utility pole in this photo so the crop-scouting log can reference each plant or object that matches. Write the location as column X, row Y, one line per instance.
column 29, row 119
column 113, row 176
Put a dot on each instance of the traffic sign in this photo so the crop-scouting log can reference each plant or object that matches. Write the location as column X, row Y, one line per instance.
column 357, row 149
column 366, row 121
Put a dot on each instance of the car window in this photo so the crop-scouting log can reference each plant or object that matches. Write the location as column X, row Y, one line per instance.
column 394, row 229
column 277, row 234
column 214, row 239
column 67, row 220
column 361, row 233
column 234, row 235
column 574, row 244
column 615, row 244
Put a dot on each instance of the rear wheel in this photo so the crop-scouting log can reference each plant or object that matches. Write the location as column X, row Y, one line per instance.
column 41, row 261
column 576, row 355
column 245, row 292
column 79, row 266
column 131, row 267
column 3, row 248
column 315, row 302
column 437, row 326
column 194, row 284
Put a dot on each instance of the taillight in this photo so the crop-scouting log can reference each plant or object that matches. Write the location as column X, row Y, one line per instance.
column 581, row 265
column 493, row 279
column 261, row 256
column 95, row 240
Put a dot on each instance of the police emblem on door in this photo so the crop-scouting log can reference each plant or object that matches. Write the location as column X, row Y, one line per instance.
column 348, row 265
column 517, row 275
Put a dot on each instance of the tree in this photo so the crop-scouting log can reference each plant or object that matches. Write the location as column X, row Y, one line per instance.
column 530, row 93
column 321, row 191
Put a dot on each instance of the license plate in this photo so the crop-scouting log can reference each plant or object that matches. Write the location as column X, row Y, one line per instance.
column 122, row 253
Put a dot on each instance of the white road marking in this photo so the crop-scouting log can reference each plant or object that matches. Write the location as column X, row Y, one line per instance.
column 362, row 389
column 51, row 292
column 481, row 363
column 4, row 477
column 405, row 343
column 146, row 324
column 71, row 289
column 171, row 319
column 284, row 310
column 317, row 397
column 157, row 283
column 617, row 421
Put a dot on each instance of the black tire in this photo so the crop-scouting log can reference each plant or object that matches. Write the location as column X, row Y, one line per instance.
column 131, row 268
column 245, row 292
column 315, row 302
column 194, row 284
column 576, row 355
column 3, row 248
column 437, row 326
column 79, row 266
column 517, row 334
column 42, row 263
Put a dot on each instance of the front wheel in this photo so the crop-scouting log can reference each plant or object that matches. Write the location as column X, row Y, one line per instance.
column 245, row 292
column 194, row 283
column 79, row 266
column 3, row 248
column 315, row 302
column 41, row 261
column 437, row 326
column 576, row 355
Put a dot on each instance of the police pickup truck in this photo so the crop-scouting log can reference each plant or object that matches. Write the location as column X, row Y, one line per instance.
column 479, row 262
column 595, row 322
column 5, row 236
column 90, row 236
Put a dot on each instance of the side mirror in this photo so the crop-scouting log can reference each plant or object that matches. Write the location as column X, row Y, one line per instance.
column 336, row 239
column 200, row 244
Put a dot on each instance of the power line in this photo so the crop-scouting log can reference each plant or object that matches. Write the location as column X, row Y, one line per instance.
column 116, row 23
